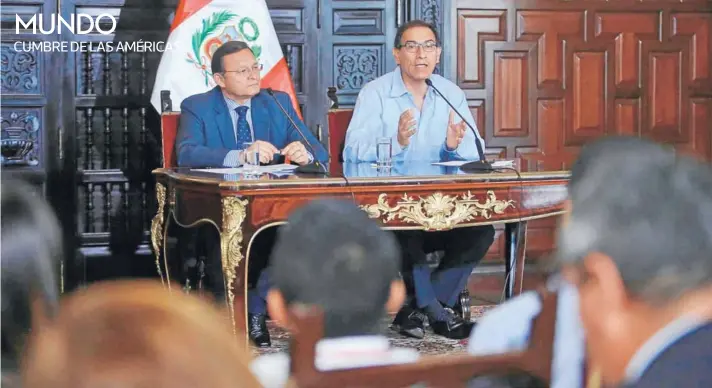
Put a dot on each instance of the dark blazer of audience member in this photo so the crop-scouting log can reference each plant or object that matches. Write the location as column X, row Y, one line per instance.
column 31, row 255
column 637, row 246
column 136, row 334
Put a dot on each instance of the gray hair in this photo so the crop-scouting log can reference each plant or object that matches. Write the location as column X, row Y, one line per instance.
column 651, row 213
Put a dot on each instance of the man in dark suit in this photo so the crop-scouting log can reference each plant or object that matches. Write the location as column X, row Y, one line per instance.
column 637, row 245
column 215, row 126
column 215, row 123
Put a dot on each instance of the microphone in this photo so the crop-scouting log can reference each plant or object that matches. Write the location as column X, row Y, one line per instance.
column 312, row 168
column 481, row 165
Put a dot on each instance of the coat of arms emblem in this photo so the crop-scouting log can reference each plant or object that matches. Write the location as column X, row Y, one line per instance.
column 218, row 28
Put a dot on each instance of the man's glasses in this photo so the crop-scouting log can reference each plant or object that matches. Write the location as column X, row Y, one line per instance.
column 245, row 72
column 411, row 46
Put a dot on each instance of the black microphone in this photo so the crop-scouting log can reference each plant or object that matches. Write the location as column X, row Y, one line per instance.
column 481, row 165
column 312, row 168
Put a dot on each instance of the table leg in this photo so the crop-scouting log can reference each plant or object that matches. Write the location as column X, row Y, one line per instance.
column 234, row 212
column 514, row 246
column 158, row 226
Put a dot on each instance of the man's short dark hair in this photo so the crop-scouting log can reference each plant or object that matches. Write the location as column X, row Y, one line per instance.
column 413, row 24
column 331, row 255
column 227, row 48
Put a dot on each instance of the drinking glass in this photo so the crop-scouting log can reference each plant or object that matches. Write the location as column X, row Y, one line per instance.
column 252, row 159
column 384, row 152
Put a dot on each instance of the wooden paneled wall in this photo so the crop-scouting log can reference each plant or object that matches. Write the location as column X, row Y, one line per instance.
column 544, row 77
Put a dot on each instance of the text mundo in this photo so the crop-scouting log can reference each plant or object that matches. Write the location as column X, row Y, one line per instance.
column 79, row 24
column 94, row 47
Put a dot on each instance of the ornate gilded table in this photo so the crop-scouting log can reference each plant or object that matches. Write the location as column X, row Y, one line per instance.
column 413, row 196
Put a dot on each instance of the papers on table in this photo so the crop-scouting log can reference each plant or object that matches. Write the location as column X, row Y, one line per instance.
column 280, row 169
column 452, row 163
column 503, row 164
column 458, row 163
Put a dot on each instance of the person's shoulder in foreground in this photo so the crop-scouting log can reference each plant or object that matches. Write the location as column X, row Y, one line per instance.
column 507, row 328
column 272, row 370
column 685, row 363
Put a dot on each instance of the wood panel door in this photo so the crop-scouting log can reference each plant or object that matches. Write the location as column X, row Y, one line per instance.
column 114, row 137
column 30, row 106
column 355, row 42
column 544, row 77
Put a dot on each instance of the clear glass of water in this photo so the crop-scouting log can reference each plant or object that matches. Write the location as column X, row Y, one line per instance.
column 384, row 152
column 252, row 159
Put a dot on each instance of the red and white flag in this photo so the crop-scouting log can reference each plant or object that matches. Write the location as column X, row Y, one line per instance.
column 199, row 28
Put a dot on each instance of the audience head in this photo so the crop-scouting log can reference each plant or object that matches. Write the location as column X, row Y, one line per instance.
column 589, row 154
column 31, row 256
column 417, row 50
column 331, row 255
column 136, row 334
column 637, row 245
column 236, row 70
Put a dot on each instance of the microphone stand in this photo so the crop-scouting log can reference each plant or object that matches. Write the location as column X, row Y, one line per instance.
column 481, row 165
column 312, row 168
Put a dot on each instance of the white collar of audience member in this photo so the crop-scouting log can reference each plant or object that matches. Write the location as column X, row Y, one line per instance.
column 398, row 88
column 360, row 351
column 659, row 342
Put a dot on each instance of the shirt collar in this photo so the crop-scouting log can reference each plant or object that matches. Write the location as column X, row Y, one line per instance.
column 658, row 343
column 353, row 351
column 398, row 88
column 231, row 104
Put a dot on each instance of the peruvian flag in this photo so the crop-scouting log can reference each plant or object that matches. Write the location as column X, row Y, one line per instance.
column 199, row 28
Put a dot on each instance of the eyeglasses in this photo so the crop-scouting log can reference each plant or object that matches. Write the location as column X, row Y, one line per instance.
column 411, row 46
column 245, row 72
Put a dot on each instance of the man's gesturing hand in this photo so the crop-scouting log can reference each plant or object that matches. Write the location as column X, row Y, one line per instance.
column 455, row 133
column 296, row 152
column 406, row 127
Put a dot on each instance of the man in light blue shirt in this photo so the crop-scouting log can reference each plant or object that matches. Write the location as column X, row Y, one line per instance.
column 422, row 127
column 420, row 124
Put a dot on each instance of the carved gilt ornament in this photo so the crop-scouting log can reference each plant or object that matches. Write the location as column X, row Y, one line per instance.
column 437, row 211
column 234, row 212
column 157, row 227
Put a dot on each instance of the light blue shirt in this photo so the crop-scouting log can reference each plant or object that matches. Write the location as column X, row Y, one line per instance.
column 233, row 159
column 508, row 326
column 378, row 109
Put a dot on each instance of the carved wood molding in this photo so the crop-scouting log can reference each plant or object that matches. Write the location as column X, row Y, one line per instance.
column 157, row 227
column 234, row 212
column 437, row 211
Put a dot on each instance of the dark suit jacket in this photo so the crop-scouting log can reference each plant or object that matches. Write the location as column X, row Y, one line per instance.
column 685, row 363
column 206, row 133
